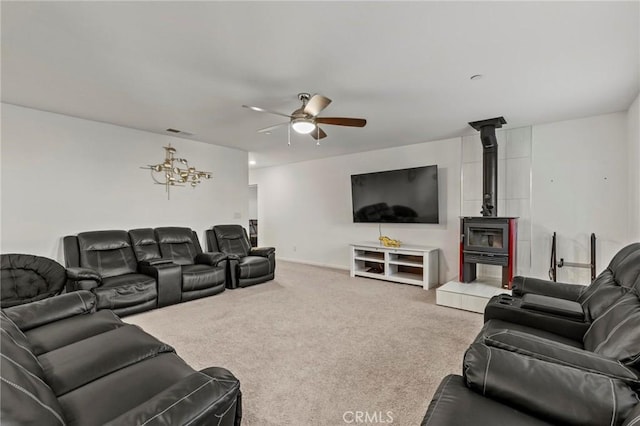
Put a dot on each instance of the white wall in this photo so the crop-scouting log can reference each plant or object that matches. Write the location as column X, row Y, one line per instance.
column 304, row 209
column 633, row 129
column 580, row 185
column 63, row 175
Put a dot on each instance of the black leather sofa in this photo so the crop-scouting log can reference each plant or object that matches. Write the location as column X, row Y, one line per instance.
column 201, row 274
column 143, row 269
column 26, row 278
column 247, row 265
column 575, row 363
column 105, row 263
column 65, row 364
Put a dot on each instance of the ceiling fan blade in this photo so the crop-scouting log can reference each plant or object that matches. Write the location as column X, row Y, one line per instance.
column 270, row 128
column 318, row 133
column 316, row 104
column 255, row 108
column 342, row 121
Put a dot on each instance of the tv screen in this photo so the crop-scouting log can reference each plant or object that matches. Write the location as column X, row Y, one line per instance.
column 396, row 196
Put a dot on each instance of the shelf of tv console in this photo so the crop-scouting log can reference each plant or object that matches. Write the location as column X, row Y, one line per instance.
column 408, row 264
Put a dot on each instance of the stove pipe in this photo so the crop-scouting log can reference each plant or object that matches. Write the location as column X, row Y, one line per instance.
column 487, row 129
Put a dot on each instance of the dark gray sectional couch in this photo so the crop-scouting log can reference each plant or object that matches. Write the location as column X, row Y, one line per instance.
column 63, row 363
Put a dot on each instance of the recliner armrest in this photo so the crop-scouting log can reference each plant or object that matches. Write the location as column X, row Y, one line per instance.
column 523, row 285
column 557, row 393
column 210, row 258
column 35, row 314
column 262, row 251
column 559, row 353
column 198, row 399
column 80, row 274
column 553, row 305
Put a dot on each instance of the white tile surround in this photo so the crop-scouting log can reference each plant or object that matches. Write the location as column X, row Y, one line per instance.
column 469, row 296
column 514, row 188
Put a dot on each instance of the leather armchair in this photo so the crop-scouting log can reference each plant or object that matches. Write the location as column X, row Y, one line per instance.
column 104, row 262
column 568, row 309
column 26, row 278
column 247, row 265
column 199, row 274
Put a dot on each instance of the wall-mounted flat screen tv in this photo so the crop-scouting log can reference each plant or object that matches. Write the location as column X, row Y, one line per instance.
column 396, row 196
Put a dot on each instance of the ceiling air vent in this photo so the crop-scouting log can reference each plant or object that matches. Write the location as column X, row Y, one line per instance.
column 179, row 132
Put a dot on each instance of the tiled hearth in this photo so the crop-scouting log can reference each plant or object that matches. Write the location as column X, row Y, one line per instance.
column 472, row 296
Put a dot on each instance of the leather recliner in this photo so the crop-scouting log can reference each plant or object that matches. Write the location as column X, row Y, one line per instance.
column 63, row 363
column 104, row 262
column 247, row 265
column 199, row 275
column 568, row 310
column 529, row 367
column 26, row 278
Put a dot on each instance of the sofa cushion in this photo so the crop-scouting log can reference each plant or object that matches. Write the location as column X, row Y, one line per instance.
column 177, row 244
column 198, row 277
column 107, row 252
column 70, row 330
column 144, row 243
column 125, row 290
column 616, row 333
column 143, row 381
column 25, row 399
column 454, row 404
column 232, row 239
column 600, row 295
column 79, row 363
column 17, row 351
column 254, row 267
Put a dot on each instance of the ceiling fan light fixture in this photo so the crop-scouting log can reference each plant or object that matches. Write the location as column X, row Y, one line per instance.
column 303, row 125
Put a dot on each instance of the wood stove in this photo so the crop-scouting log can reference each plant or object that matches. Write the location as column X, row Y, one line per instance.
column 488, row 240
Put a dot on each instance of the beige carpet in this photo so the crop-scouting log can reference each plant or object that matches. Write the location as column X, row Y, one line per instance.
column 315, row 343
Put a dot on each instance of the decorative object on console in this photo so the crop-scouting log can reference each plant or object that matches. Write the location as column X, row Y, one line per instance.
column 305, row 120
column 388, row 242
column 172, row 175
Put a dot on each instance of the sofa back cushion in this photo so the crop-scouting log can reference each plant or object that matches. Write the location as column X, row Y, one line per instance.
column 25, row 396
column 616, row 333
column 232, row 239
column 107, row 252
column 16, row 348
column 144, row 244
column 178, row 244
column 25, row 399
column 26, row 278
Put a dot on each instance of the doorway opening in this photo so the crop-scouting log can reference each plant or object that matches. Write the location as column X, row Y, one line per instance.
column 253, row 215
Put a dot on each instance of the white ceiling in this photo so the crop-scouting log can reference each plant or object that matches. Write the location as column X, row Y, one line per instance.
column 404, row 66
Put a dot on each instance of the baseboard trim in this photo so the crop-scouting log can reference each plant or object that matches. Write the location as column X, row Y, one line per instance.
column 308, row 262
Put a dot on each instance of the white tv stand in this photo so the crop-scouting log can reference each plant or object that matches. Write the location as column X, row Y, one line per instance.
column 408, row 264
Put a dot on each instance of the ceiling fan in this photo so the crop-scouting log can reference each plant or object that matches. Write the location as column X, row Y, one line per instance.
column 305, row 119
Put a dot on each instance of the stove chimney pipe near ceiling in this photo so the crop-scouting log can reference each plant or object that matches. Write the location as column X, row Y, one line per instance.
column 487, row 129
